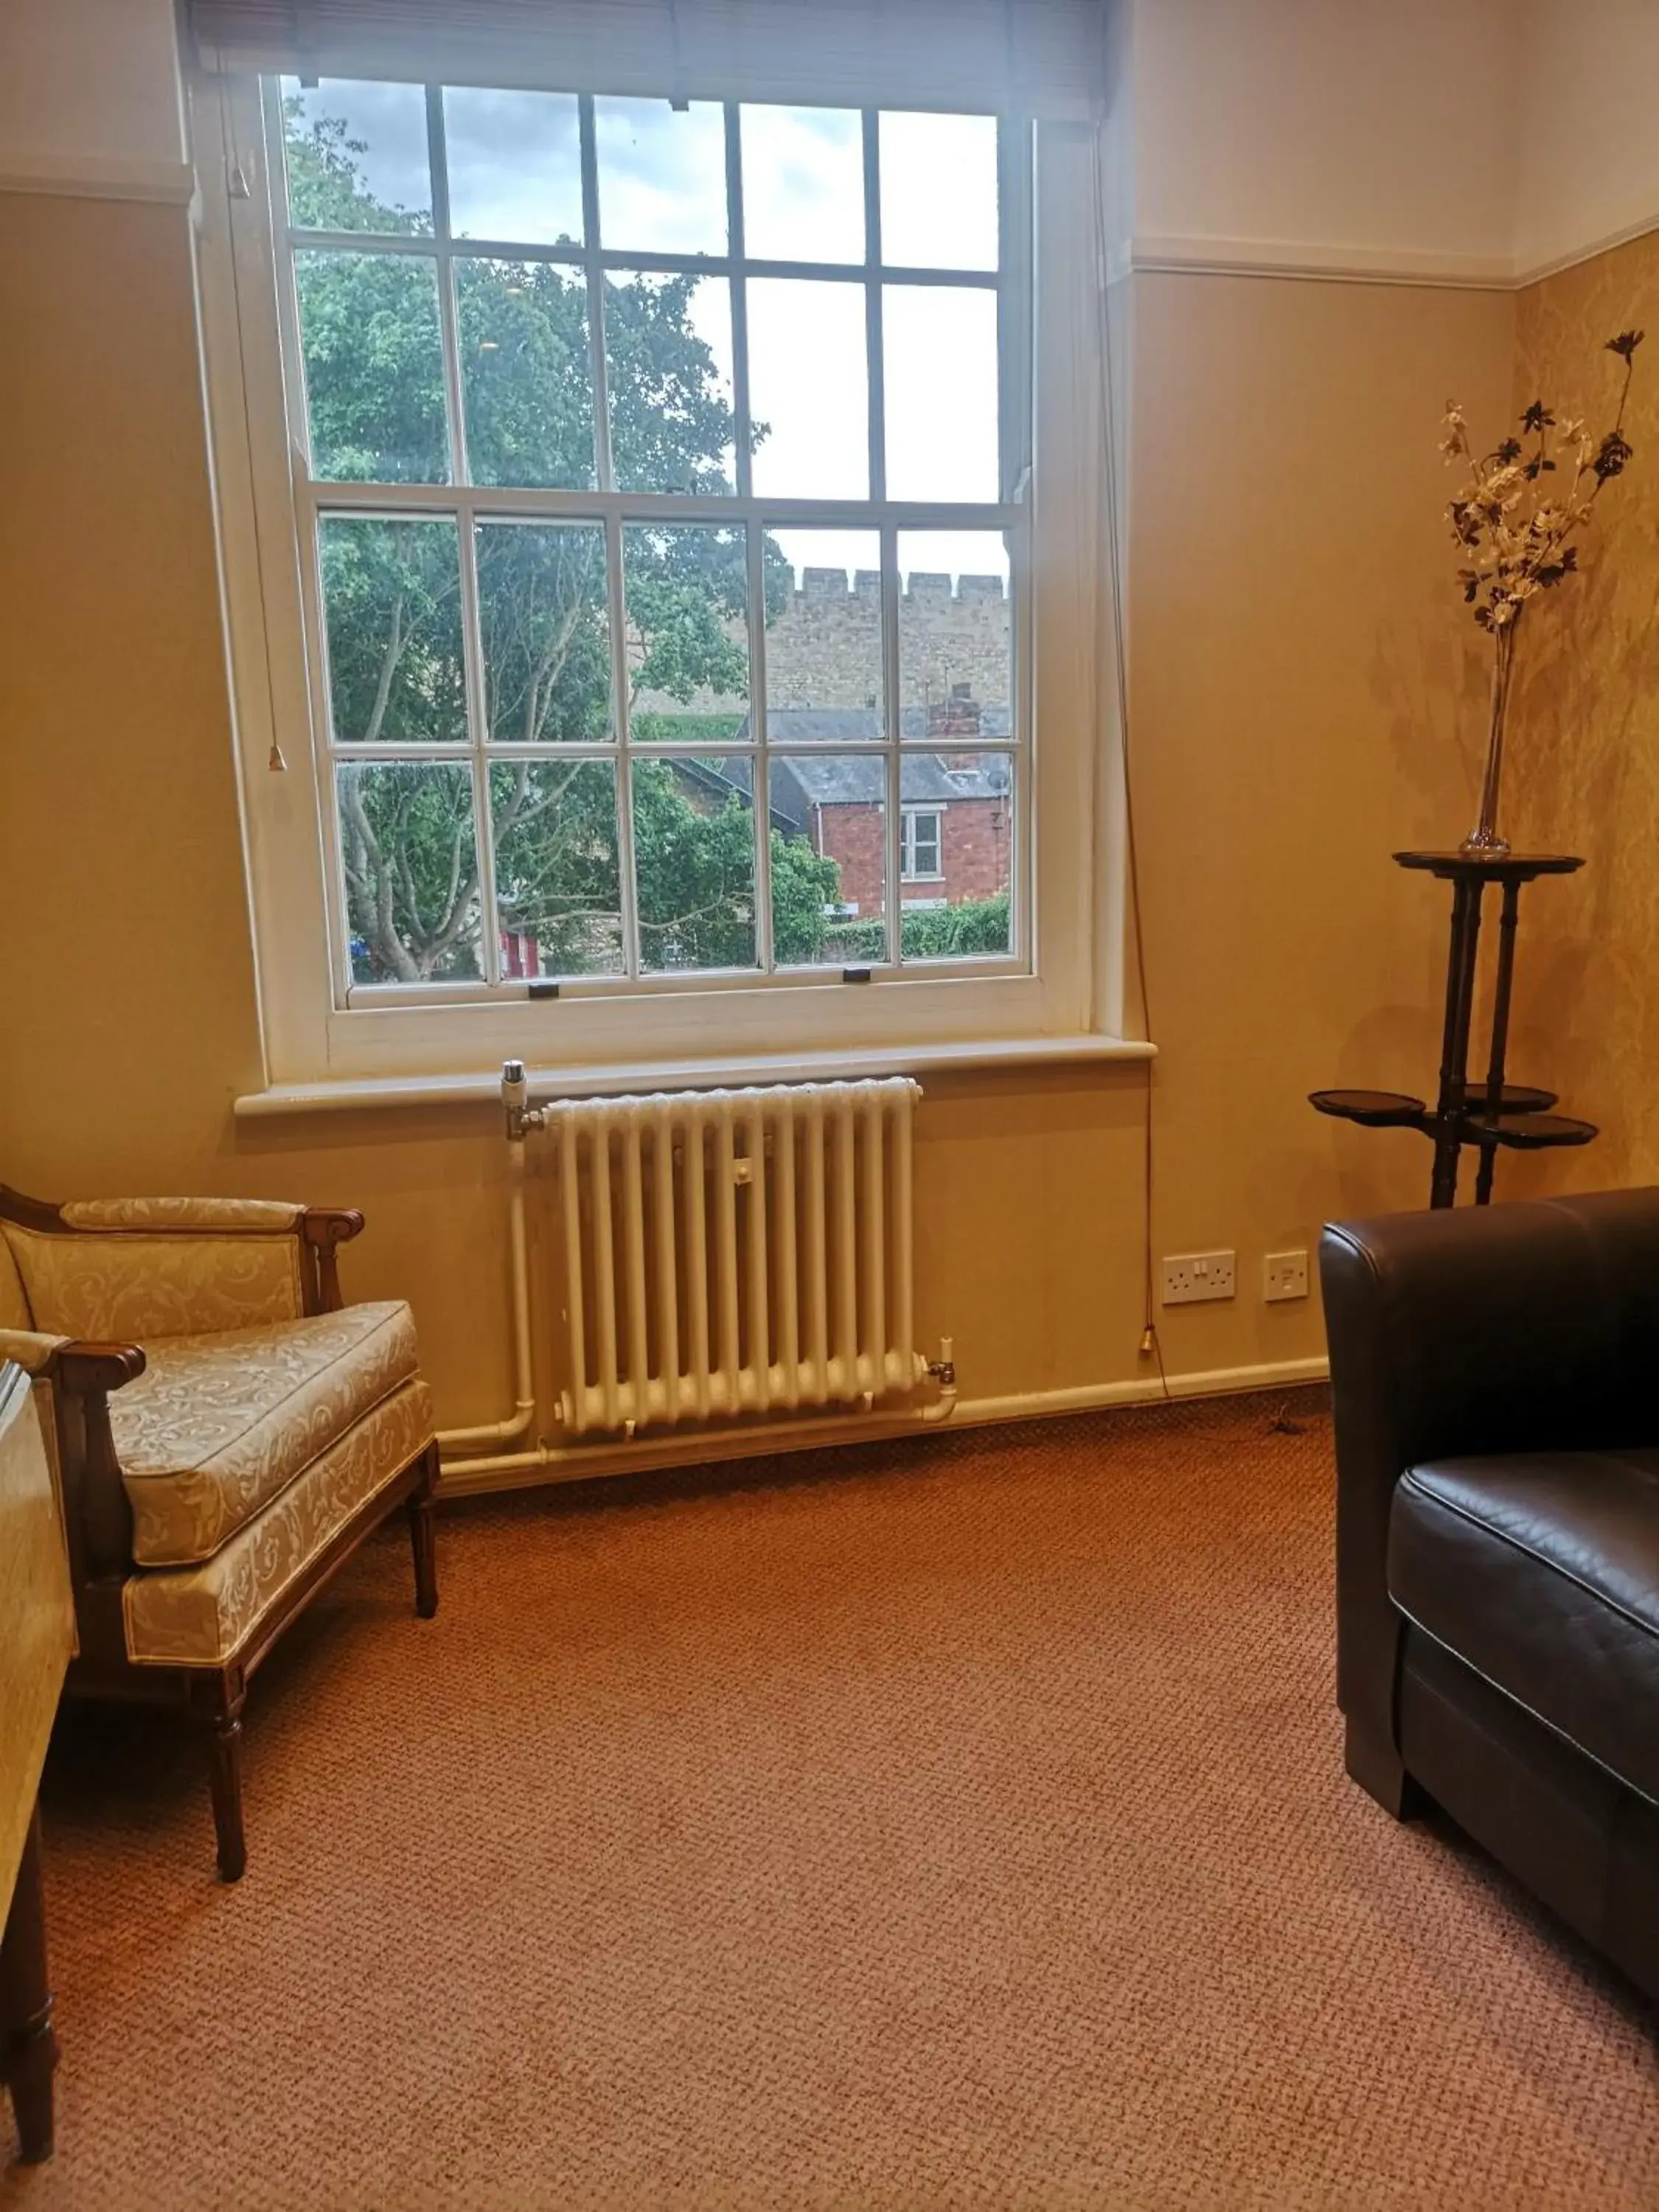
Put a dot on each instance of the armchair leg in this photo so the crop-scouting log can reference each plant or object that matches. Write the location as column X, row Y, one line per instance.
column 222, row 1713
column 1380, row 1773
column 422, row 1538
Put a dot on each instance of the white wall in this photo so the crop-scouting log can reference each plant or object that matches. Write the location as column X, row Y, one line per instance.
column 1330, row 134
column 1485, row 140
column 1587, row 125
column 89, row 87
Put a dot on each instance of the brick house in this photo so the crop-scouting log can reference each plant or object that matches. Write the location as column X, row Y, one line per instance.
column 956, row 808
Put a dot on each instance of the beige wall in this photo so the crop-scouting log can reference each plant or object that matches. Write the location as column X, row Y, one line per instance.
column 1296, row 672
column 1583, row 772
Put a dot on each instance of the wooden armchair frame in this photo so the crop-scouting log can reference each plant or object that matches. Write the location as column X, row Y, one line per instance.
column 98, row 1519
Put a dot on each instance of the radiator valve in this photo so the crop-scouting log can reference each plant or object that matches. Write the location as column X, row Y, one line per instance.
column 515, row 1093
column 943, row 1369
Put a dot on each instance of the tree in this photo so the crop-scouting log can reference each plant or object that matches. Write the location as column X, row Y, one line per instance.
column 391, row 596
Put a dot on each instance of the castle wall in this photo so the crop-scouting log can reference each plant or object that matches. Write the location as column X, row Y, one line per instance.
column 823, row 649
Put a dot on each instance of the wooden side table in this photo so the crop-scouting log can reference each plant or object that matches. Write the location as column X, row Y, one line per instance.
column 36, row 1635
column 1493, row 1114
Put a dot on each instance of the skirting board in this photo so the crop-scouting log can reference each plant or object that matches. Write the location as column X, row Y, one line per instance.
column 583, row 1463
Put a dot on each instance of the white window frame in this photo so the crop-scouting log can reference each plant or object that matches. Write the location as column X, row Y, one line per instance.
column 908, row 872
column 1064, row 978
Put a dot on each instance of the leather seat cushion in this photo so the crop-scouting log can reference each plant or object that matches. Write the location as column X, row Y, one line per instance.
column 1540, row 1570
column 217, row 1425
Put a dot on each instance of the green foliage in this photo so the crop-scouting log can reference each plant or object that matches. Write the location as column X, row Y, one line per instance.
column 971, row 927
column 546, row 626
column 373, row 372
column 406, row 841
column 958, row 932
column 524, row 366
column 803, row 883
column 652, row 729
column 556, row 865
column 391, row 594
column 325, row 189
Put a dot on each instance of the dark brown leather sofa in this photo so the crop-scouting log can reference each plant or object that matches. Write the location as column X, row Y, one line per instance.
column 1495, row 1374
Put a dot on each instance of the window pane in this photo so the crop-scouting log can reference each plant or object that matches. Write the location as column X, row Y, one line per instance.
column 558, row 884
column 965, row 909
column 808, row 389
column 411, row 871
column 939, row 191
column 544, row 618
column 662, row 176
column 803, row 184
column 956, row 634
column 693, row 864
column 374, row 377
column 391, row 613
column 524, row 373
column 514, row 164
column 685, row 590
column 829, row 813
column 940, row 363
column 357, row 156
column 668, row 368
column 824, row 672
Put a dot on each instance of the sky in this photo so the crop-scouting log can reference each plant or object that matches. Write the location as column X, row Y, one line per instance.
column 514, row 178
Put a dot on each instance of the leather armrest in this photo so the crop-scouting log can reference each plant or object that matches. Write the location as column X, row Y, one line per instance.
column 1483, row 1329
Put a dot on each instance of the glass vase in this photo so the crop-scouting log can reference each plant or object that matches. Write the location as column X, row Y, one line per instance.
column 1483, row 842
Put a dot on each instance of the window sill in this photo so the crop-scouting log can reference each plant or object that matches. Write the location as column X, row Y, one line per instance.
column 331, row 1096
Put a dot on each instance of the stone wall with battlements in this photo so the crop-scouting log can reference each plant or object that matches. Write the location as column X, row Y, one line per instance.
column 823, row 649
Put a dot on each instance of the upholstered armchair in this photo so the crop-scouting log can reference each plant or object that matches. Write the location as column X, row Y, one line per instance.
column 226, row 1432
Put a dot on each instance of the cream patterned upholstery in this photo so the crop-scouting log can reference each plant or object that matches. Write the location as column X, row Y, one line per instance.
column 14, row 1304
column 126, row 1285
column 244, row 1215
column 28, row 1347
column 218, row 1424
column 201, row 1616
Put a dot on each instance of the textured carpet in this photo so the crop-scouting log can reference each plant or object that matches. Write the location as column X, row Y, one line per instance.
column 960, row 1823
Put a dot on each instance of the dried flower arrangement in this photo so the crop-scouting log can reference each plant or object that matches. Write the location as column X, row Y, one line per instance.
column 1515, row 531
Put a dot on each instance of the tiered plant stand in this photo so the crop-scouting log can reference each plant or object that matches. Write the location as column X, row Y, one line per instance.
column 1495, row 1114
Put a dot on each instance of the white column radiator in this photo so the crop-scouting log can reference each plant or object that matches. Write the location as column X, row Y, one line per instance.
column 731, row 1252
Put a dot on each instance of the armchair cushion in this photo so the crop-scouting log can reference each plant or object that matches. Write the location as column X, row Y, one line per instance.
column 203, row 1615
column 126, row 1285
column 219, row 1425
column 1540, row 1570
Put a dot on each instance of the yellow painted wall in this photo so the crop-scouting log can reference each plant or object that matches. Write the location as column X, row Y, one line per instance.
column 1583, row 772
column 1298, row 671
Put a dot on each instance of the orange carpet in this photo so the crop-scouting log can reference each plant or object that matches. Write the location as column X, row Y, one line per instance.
column 956, row 1823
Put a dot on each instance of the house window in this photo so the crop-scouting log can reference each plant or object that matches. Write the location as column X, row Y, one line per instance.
column 921, row 861
column 656, row 474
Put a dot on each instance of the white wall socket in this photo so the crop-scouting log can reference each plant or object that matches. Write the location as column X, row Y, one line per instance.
column 1284, row 1275
column 1190, row 1276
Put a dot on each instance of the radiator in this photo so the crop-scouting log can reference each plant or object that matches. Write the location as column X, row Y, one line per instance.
column 731, row 1252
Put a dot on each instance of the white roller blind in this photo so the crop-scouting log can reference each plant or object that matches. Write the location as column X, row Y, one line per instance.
column 1043, row 56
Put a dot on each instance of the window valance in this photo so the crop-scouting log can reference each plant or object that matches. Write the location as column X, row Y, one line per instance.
column 1039, row 57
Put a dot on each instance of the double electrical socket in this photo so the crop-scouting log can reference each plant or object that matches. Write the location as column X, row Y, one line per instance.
column 1190, row 1277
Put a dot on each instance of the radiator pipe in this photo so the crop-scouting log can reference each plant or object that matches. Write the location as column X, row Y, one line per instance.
column 519, row 1422
column 686, row 1447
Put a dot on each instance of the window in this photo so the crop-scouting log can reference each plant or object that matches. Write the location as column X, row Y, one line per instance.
column 921, row 858
column 748, row 479
column 654, row 479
